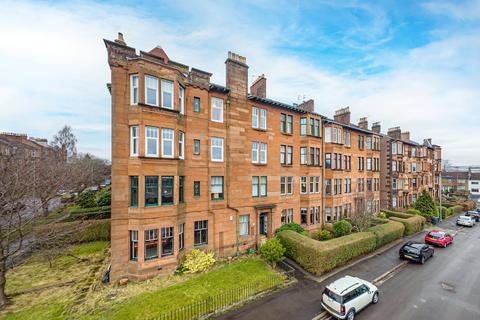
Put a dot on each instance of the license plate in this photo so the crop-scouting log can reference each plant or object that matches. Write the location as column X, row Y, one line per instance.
column 409, row 257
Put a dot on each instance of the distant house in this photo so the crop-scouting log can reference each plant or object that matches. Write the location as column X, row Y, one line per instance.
column 11, row 143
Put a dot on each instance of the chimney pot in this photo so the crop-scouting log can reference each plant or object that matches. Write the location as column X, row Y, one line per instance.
column 120, row 39
column 259, row 87
column 363, row 123
column 342, row 115
column 376, row 127
column 308, row 105
column 395, row 133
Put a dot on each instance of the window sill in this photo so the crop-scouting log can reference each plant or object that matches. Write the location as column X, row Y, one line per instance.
column 259, row 164
column 259, row 129
column 219, row 199
column 200, row 246
column 286, row 165
column 151, row 205
column 287, row 134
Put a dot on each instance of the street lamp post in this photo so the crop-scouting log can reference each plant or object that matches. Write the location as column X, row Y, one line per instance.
column 440, row 195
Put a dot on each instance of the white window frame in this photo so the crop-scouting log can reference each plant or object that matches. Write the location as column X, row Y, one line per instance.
column 263, row 151
column 214, row 105
column 255, row 116
column 181, row 145
column 212, row 146
column 303, row 182
column 244, row 230
column 181, row 97
column 133, row 89
column 147, row 139
column 263, row 119
column 255, row 155
column 166, row 130
column 163, row 81
column 303, row 157
column 146, row 90
column 134, row 141
column 328, row 134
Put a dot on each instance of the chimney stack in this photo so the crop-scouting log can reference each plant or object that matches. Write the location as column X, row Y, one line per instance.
column 405, row 135
column 376, row 127
column 259, row 87
column 308, row 105
column 120, row 39
column 395, row 133
column 363, row 123
column 199, row 77
column 342, row 115
column 237, row 74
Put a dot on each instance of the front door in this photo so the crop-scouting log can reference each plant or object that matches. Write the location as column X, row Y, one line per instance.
column 263, row 224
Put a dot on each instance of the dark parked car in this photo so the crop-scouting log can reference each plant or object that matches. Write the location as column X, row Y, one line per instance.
column 474, row 214
column 416, row 251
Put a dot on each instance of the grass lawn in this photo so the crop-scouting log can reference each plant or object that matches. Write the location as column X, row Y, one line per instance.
column 53, row 301
column 158, row 300
column 41, row 292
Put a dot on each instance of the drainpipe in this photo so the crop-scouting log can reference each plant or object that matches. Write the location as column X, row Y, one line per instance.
column 227, row 178
column 323, row 175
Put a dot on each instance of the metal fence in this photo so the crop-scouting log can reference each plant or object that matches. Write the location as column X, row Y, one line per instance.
column 221, row 301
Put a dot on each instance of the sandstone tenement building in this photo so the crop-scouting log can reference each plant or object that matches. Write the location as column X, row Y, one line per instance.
column 201, row 165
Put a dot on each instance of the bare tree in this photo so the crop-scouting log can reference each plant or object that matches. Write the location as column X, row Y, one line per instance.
column 88, row 170
column 17, row 208
column 361, row 217
column 65, row 141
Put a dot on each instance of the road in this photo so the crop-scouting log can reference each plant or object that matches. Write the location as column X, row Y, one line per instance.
column 446, row 287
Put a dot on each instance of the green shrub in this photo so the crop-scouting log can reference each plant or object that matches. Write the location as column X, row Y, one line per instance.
column 104, row 197
column 412, row 225
column 197, row 261
column 306, row 234
column 387, row 232
column 324, row 235
column 272, row 250
column 397, row 214
column 425, row 204
column 376, row 220
column 382, row 215
column 414, row 211
column 342, row 228
column 318, row 257
column 86, row 199
column 290, row 226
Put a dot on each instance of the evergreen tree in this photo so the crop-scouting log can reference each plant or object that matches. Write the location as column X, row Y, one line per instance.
column 425, row 204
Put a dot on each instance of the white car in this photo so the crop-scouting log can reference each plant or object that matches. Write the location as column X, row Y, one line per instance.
column 347, row 296
column 465, row 221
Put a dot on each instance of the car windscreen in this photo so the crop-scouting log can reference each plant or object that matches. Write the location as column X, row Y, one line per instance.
column 436, row 235
column 411, row 249
column 332, row 295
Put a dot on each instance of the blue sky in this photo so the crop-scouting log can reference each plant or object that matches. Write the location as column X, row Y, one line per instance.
column 413, row 64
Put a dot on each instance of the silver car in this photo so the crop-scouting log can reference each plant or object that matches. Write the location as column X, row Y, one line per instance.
column 465, row 221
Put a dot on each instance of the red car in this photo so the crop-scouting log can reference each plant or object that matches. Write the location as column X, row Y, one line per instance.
column 438, row 238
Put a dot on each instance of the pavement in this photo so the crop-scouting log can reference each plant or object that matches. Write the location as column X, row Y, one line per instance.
column 445, row 287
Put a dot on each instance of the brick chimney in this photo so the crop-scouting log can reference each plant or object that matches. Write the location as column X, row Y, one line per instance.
column 237, row 74
column 363, row 123
column 405, row 135
column 376, row 127
column 199, row 77
column 160, row 54
column 342, row 115
column 120, row 39
column 259, row 87
column 308, row 105
column 395, row 133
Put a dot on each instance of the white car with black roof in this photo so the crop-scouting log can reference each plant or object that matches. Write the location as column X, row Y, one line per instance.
column 345, row 297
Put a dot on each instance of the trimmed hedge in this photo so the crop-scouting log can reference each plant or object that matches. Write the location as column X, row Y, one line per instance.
column 397, row 214
column 80, row 231
column 457, row 209
column 319, row 257
column 89, row 213
column 290, row 226
column 412, row 225
column 387, row 232
column 414, row 212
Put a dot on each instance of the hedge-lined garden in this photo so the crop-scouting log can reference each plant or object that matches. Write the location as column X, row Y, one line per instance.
column 319, row 257
column 387, row 232
column 412, row 223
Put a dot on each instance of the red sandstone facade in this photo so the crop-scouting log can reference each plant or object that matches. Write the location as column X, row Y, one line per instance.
column 199, row 165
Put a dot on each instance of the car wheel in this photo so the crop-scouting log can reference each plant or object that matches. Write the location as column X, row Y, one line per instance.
column 422, row 261
column 351, row 315
column 375, row 298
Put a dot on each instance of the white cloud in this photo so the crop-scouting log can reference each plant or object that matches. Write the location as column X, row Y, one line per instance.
column 57, row 64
